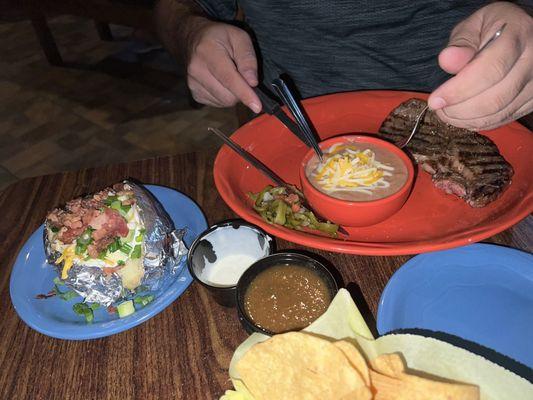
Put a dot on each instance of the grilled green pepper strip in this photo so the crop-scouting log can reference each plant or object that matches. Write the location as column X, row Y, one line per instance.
column 281, row 209
column 279, row 212
column 261, row 195
column 328, row 227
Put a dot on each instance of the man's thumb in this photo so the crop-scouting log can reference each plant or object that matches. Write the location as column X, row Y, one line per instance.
column 462, row 46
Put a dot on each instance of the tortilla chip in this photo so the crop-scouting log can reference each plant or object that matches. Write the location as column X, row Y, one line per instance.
column 356, row 359
column 296, row 366
column 389, row 364
column 411, row 387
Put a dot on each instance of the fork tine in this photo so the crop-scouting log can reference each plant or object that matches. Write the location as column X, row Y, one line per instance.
column 419, row 119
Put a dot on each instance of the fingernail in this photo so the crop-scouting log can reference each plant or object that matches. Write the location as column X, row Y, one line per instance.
column 256, row 108
column 437, row 103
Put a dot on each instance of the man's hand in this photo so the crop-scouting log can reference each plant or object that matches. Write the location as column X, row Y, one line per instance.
column 496, row 87
column 222, row 66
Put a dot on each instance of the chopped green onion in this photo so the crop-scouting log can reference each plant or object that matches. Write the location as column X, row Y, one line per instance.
column 143, row 300
column 125, row 308
column 58, row 281
column 83, row 241
column 121, row 262
column 85, row 237
column 125, row 248
column 142, row 288
column 68, row 295
column 84, row 310
column 139, row 238
column 114, row 246
column 129, row 238
column 102, row 254
column 136, row 252
column 54, row 229
column 116, row 205
column 110, row 200
column 80, row 249
column 121, row 208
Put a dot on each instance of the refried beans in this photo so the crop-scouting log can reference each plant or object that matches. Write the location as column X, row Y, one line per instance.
column 357, row 172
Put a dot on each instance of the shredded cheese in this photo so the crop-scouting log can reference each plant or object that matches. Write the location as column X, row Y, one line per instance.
column 346, row 168
column 68, row 257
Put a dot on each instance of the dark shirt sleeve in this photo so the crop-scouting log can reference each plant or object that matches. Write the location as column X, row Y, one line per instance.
column 224, row 10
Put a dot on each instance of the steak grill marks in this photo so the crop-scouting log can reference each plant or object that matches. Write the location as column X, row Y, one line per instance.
column 461, row 162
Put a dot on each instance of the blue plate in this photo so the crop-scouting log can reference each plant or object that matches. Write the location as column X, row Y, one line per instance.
column 482, row 293
column 32, row 275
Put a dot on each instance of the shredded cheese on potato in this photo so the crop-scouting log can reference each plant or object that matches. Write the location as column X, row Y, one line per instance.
column 346, row 168
column 67, row 256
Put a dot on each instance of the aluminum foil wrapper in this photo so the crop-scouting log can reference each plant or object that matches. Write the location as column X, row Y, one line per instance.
column 93, row 285
column 164, row 249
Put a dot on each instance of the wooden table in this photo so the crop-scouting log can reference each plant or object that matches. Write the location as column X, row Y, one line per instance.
column 181, row 353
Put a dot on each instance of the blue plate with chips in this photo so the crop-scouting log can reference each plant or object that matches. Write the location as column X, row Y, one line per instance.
column 481, row 293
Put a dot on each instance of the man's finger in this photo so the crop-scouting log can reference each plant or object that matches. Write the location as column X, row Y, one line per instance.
column 496, row 98
column 226, row 73
column 486, row 70
column 244, row 57
column 453, row 58
column 206, row 79
column 201, row 95
column 468, row 33
column 465, row 40
column 520, row 106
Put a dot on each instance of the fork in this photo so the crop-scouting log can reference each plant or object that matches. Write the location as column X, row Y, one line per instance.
column 291, row 103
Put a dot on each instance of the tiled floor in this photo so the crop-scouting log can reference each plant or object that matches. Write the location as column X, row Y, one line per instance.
column 116, row 103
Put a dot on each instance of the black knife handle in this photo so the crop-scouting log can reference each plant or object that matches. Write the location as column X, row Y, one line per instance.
column 269, row 105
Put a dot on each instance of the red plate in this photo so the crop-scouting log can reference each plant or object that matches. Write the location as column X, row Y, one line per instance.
column 430, row 220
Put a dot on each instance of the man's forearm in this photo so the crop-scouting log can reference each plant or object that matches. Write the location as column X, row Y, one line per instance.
column 177, row 21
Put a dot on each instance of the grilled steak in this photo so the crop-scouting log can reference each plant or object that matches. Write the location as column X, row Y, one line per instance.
column 460, row 161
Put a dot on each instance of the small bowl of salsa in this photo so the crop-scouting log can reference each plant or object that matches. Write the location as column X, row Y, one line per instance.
column 284, row 292
column 362, row 180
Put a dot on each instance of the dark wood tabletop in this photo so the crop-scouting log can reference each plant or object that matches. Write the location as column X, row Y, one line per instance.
column 184, row 351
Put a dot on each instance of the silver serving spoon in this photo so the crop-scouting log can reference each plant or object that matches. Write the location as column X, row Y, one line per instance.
column 420, row 116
